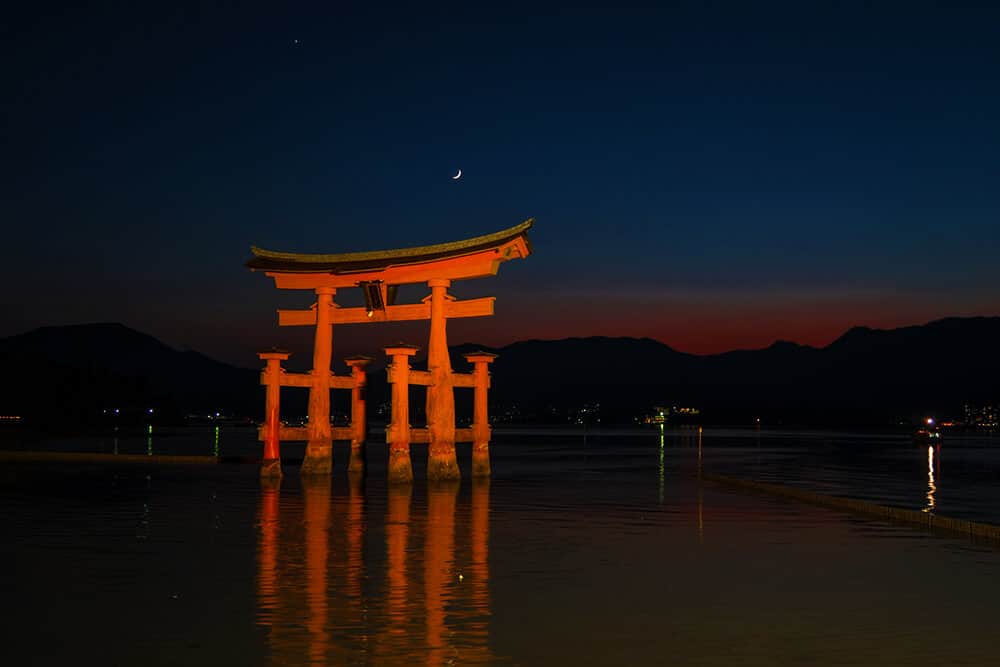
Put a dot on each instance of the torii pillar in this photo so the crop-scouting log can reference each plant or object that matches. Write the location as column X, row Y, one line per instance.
column 359, row 425
column 441, row 461
column 271, row 465
column 398, row 433
column 319, row 450
column 480, row 417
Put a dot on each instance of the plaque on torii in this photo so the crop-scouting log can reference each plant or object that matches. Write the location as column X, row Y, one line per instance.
column 378, row 274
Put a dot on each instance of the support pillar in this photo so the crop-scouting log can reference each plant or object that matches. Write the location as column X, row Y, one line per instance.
column 480, row 416
column 319, row 450
column 271, row 465
column 441, row 461
column 359, row 425
column 398, row 433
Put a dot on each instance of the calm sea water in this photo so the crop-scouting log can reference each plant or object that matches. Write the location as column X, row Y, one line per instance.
column 585, row 548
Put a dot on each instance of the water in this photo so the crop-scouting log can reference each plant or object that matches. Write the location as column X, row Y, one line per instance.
column 596, row 548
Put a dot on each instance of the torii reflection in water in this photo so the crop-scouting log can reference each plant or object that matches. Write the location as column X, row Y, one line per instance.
column 332, row 589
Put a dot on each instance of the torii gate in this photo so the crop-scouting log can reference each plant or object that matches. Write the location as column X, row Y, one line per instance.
column 378, row 274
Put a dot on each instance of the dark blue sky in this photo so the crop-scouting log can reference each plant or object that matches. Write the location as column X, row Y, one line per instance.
column 713, row 175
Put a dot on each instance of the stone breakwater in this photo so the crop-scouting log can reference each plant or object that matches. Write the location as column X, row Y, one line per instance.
column 99, row 457
column 928, row 520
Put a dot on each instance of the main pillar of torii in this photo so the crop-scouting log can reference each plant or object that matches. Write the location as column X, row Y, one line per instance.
column 378, row 274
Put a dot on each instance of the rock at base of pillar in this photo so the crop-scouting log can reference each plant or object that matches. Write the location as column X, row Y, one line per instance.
column 318, row 459
column 270, row 468
column 400, row 468
column 442, row 466
column 481, row 461
column 357, row 464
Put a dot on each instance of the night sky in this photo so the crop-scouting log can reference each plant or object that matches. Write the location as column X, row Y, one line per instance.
column 712, row 175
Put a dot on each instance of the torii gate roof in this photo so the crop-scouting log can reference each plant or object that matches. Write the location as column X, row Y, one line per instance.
column 380, row 260
column 459, row 260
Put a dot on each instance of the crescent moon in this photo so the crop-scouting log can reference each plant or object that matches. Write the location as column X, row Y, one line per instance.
column 457, row 176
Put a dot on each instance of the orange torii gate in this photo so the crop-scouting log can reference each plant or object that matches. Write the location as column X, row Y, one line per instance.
column 378, row 274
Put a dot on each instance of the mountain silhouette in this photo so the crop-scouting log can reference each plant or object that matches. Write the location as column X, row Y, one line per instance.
column 867, row 376
column 72, row 374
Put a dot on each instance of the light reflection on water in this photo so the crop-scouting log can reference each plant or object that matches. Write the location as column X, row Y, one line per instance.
column 322, row 602
column 882, row 468
column 662, row 465
column 608, row 551
column 931, row 487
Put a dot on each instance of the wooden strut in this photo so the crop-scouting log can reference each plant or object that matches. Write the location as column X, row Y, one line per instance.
column 403, row 313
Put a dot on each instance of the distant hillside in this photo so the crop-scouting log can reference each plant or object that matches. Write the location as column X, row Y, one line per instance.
column 72, row 373
column 865, row 376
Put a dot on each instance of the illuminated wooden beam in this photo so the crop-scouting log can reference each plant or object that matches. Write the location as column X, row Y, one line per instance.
column 423, row 378
column 341, row 382
column 294, row 318
column 423, row 436
column 301, row 433
column 341, row 432
column 296, row 380
column 482, row 307
column 420, row 377
column 401, row 313
column 287, row 433
column 306, row 380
